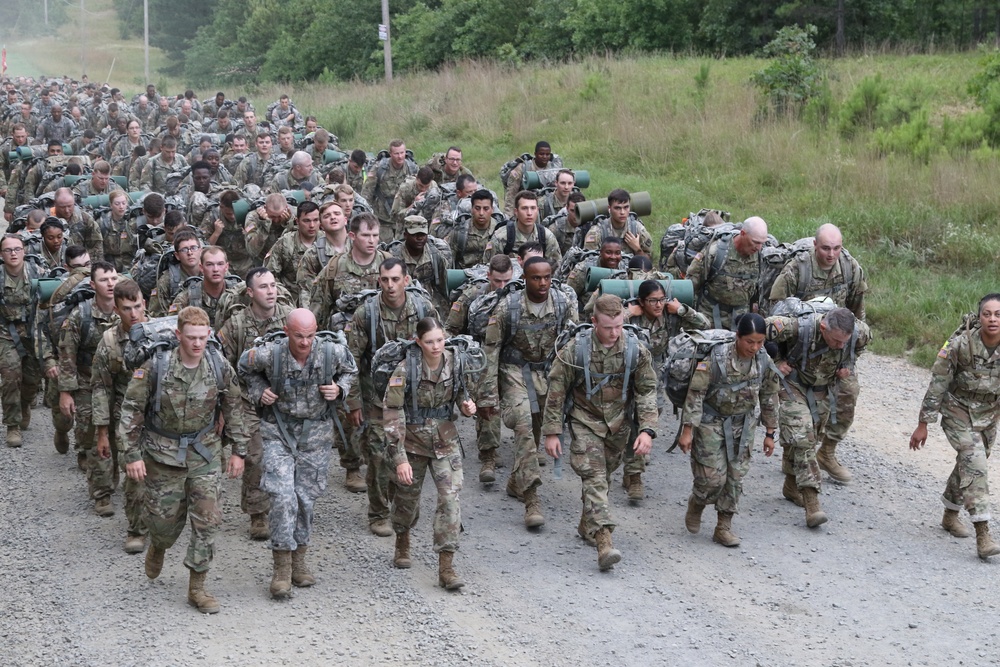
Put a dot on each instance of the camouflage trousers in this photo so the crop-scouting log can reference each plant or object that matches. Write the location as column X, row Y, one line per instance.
column 60, row 422
column 173, row 494
column 594, row 459
column 134, row 490
column 19, row 381
column 377, row 473
column 515, row 408
column 799, row 434
column 102, row 474
column 718, row 473
column 636, row 465
column 968, row 485
column 350, row 451
column 448, row 477
column 848, row 391
column 295, row 479
column 253, row 500
column 488, row 432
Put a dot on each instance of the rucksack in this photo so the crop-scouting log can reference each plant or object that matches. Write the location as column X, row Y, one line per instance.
column 475, row 275
column 775, row 258
column 697, row 238
column 382, row 168
column 194, row 286
column 508, row 246
column 81, row 296
column 573, row 256
column 677, row 233
column 482, row 307
column 684, row 352
column 804, row 311
column 510, row 165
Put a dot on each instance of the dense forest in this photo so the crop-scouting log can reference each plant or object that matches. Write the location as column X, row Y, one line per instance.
column 243, row 41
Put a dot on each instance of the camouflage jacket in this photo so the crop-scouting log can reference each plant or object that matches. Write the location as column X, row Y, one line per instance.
column 475, row 243
column 829, row 283
column 155, row 172
column 239, row 332
column 119, row 244
column 17, row 307
column 965, row 383
column 84, row 189
column 315, row 259
column 168, row 286
column 381, row 191
column 233, row 238
column 820, row 370
column 76, row 356
column 109, row 377
column 284, row 180
column 430, row 269
column 559, row 226
column 760, row 389
column 458, row 314
column 403, row 203
column 498, row 241
column 261, row 234
column 83, row 230
column 342, row 275
column 284, row 259
column 734, row 285
column 194, row 294
column 603, row 228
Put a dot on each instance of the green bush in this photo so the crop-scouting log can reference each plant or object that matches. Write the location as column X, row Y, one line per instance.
column 793, row 77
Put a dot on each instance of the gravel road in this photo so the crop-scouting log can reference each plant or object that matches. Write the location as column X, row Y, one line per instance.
column 880, row 584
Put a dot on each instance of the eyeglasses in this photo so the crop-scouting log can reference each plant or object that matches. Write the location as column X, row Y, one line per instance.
column 453, row 159
column 12, row 251
column 655, row 302
column 191, row 249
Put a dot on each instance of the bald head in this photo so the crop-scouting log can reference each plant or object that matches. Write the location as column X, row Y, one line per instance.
column 301, row 319
column 829, row 244
column 756, row 228
column 300, row 327
column 64, row 197
column 752, row 236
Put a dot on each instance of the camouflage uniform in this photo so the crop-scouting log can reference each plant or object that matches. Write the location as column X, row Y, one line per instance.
column 519, row 363
column 832, row 284
column 297, row 432
column 498, row 241
column 260, row 172
column 315, row 259
column 559, row 226
column 194, row 294
column 84, row 189
column 425, row 441
column 155, row 172
column 341, row 276
column 182, row 481
column 403, row 206
column 285, row 258
column 805, row 400
column 20, row 375
column 392, row 325
column 602, row 228
column 549, row 205
column 82, row 230
column 965, row 390
column 109, row 380
column 720, row 456
column 118, row 243
column 728, row 293
column 260, row 235
column 234, row 239
column 430, row 269
column 475, row 242
column 50, row 128
column 381, row 190
column 515, row 180
column 284, row 180
column 237, row 336
column 599, row 424
column 167, row 288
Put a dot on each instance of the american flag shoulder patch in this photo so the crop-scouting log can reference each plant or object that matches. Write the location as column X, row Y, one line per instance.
column 702, row 366
column 396, row 382
column 139, row 374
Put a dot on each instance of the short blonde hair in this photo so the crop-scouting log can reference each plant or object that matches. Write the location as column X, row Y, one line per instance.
column 194, row 316
column 609, row 305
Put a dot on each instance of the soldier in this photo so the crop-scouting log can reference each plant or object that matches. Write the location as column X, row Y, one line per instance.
column 25, row 178
column 286, row 144
column 726, row 283
column 625, row 384
column 53, row 247
column 470, row 234
column 498, row 275
column 317, row 150
column 119, row 244
column 719, row 421
column 622, row 223
column 19, row 138
column 212, row 289
column 383, row 181
column 297, row 432
column 139, row 162
column 355, row 174
column 197, row 192
column 284, row 113
column 78, row 339
column 299, row 176
column 965, row 390
column 234, row 156
column 610, row 257
column 187, row 251
column 418, row 195
column 450, row 167
column 266, row 224
column 56, row 126
column 285, row 256
column 225, row 231
column 827, row 270
column 334, row 241
column 421, row 435
column 99, row 183
column 522, row 229
column 542, row 160
column 565, row 224
column 814, row 352
column 351, row 272
column 454, row 202
column 126, row 145
column 157, row 169
column 393, row 314
column 558, row 199
column 219, row 173
column 109, row 380
column 264, row 315
column 20, row 375
column 520, row 337
column 253, row 168
column 167, row 438
column 425, row 262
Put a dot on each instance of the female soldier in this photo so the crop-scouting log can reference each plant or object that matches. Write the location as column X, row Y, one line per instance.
column 965, row 389
column 119, row 245
column 719, row 420
column 420, row 434
column 662, row 319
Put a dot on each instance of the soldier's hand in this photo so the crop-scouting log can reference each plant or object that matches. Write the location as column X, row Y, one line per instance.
column 219, row 225
column 136, row 471
column 103, row 446
column 919, row 437
column 673, row 306
column 768, row 446
column 643, row 444
column 52, row 373
column 553, row 445
column 684, row 440
column 235, row 466
column 843, row 373
column 632, row 240
column 404, row 474
column 268, row 397
column 9, row 217
column 261, row 212
column 783, row 368
column 330, row 391
column 356, row 418
column 468, row 408
column 67, row 406
column 487, row 413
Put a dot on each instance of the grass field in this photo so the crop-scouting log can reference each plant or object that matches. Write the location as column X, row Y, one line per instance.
column 924, row 230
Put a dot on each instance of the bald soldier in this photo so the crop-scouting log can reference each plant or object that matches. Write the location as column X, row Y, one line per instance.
column 725, row 275
column 829, row 270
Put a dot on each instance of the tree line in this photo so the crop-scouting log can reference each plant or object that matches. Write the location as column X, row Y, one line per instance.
column 253, row 41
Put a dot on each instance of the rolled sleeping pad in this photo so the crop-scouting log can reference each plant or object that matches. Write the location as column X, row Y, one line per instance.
column 45, row 287
column 23, row 153
column 298, row 196
column 586, row 211
column 682, row 290
column 241, row 207
column 94, row 201
column 596, row 274
column 456, row 278
column 122, row 181
column 533, row 182
column 70, row 181
column 68, row 150
column 330, row 156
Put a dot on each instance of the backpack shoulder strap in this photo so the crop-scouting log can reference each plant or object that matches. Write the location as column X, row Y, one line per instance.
column 542, row 236
column 631, row 360
column 721, row 254
column 511, row 234
column 374, row 317
column 215, row 360
column 277, row 364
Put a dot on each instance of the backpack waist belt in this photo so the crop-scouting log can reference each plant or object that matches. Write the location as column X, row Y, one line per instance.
column 978, row 397
column 192, row 440
column 709, row 415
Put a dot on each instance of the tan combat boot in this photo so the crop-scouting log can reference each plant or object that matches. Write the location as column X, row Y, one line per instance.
column 953, row 524
column 533, row 517
column 581, row 530
column 61, row 441
column 81, row 460
column 446, row 573
column 401, row 558
column 25, row 417
column 381, row 528
column 281, row 579
column 199, row 597
column 724, row 534
column 826, row 456
column 154, row 561
column 102, row 507
column 14, row 436
column 633, row 485
column 301, row 575
column 692, row 519
column 791, row 490
column 488, row 469
column 511, row 490
column 607, row 555
column 814, row 515
column 258, row 527
column 134, row 544
column 985, row 546
column 355, row 481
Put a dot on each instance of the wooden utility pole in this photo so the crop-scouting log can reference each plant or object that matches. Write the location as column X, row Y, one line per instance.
column 387, row 41
column 145, row 36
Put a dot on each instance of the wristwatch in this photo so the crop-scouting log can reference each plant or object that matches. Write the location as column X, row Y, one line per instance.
column 769, row 435
column 651, row 432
